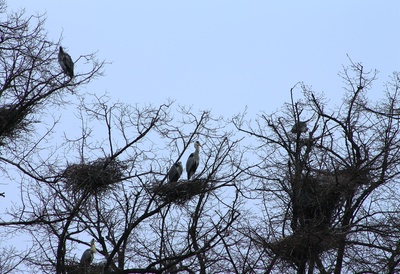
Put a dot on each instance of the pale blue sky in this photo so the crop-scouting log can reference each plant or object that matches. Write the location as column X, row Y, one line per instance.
column 224, row 55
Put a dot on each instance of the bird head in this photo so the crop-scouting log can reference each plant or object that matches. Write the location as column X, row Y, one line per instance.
column 197, row 144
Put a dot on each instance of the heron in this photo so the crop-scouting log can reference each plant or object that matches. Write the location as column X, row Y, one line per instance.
column 193, row 161
column 299, row 127
column 88, row 255
column 66, row 62
column 175, row 172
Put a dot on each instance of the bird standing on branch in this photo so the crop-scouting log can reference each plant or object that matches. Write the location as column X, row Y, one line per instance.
column 88, row 255
column 66, row 62
column 193, row 161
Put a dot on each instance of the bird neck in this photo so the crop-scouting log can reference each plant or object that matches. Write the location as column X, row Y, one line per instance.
column 93, row 249
column 196, row 153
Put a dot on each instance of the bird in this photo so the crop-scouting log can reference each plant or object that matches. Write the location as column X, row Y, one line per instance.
column 299, row 127
column 88, row 255
column 193, row 161
column 65, row 61
column 175, row 172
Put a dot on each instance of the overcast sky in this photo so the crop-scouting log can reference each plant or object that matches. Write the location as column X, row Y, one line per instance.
column 224, row 55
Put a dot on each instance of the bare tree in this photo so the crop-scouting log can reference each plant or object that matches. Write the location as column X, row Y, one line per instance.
column 109, row 182
column 113, row 188
column 314, row 188
column 323, row 185
column 31, row 83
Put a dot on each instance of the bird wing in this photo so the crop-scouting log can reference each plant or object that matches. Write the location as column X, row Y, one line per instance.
column 86, row 257
column 62, row 63
column 189, row 162
column 172, row 174
column 179, row 169
column 69, row 64
column 191, row 165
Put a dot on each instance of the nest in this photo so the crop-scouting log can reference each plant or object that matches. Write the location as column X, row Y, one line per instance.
column 73, row 267
column 305, row 245
column 97, row 176
column 181, row 191
column 316, row 200
column 12, row 120
column 321, row 194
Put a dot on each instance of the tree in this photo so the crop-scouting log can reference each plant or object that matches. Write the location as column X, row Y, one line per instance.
column 325, row 190
column 114, row 192
column 31, row 84
column 107, row 185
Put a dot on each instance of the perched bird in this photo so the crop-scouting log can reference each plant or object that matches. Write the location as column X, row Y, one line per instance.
column 66, row 63
column 193, row 161
column 299, row 127
column 175, row 172
column 88, row 255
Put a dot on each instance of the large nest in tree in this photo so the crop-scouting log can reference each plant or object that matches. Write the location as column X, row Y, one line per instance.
column 94, row 177
column 321, row 193
column 305, row 245
column 12, row 120
column 73, row 267
column 181, row 191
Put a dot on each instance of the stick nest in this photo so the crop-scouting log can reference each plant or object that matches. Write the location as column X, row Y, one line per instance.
column 317, row 197
column 181, row 191
column 73, row 267
column 12, row 120
column 94, row 177
column 320, row 195
column 304, row 245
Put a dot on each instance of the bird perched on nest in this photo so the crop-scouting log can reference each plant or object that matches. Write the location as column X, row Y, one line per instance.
column 88, row 255
column 193, row 161
column 175, row 172
column 65, row 61
column 299, row 127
